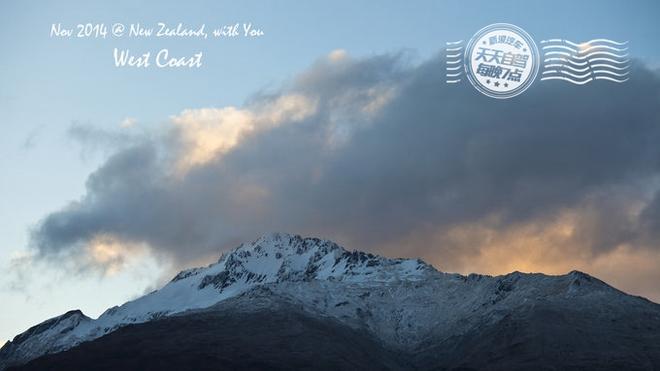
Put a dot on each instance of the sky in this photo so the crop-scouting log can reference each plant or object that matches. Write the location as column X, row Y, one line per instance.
column 336, row 123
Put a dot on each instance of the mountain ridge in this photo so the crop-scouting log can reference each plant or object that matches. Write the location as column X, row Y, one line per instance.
column 404, row 304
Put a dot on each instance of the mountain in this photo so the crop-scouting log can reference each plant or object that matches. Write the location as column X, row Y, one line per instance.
column 284, row 301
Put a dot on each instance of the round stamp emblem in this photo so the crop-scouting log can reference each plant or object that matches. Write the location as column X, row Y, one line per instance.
column 501, row 60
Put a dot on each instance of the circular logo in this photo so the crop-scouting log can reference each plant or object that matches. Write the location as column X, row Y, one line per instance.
column 501, row 60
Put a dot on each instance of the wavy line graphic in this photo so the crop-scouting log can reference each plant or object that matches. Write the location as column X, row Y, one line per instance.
column 596, row 41
column 582, row 82
column 610, row 79
column 593, row 41
column 597, row 65
column 581, row 63
column 609, row 60
column 566, row 79
column 588, row 74
column 453, row 60
column 574, row 56
column 584, row 49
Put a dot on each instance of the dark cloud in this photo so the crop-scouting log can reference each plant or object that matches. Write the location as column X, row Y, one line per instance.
column 390, row 150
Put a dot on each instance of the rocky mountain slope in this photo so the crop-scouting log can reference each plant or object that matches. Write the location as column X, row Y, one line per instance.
column 400, row 313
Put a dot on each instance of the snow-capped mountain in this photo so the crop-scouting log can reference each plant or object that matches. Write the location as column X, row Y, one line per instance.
column 274, row 258
column 404, row 304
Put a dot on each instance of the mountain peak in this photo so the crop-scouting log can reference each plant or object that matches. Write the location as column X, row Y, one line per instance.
column 271, row 259
column 278, row 257
column 69, row 319
column 284, row 244
column 398, row 299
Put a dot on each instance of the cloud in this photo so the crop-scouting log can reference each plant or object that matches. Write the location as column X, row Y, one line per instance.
column 381, row 154
column 337, row 55
column 208, row 133
column 110, row 254
column 31, row 138
column 128, row 122
column 95, row 140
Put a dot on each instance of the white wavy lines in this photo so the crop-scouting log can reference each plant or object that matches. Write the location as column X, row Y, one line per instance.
column 566, row 79
column 610, row 60
column 597, row 41
column 605, row 65
column 453, row 59
column 584, row 81
column 578, row 57
column 594, row 41
column 588, row 74
column 610, row 79
column 597, row 59
column 595, row 65
column 585, row 49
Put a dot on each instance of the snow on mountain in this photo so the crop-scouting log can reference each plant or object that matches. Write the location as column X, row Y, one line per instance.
column 403, row 303
column 42, row 338
column 272, row 259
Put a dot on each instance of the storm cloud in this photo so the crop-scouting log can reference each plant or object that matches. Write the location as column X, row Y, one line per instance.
column 381, row 154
